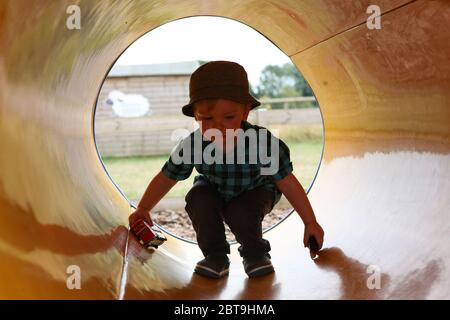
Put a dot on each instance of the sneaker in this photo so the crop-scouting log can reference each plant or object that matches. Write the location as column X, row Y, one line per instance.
column 258, row 266
column 213, row 266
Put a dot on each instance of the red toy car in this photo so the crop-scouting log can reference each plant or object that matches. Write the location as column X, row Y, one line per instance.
column 148, row 235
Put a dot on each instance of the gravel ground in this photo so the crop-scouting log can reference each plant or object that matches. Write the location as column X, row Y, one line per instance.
column 178, row 222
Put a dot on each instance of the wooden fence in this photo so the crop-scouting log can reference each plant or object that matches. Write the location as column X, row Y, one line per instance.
column 119, row 137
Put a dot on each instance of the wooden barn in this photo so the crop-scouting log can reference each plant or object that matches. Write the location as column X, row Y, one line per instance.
column 155, row 93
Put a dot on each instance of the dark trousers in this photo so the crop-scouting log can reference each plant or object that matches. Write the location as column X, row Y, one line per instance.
column 243, row 214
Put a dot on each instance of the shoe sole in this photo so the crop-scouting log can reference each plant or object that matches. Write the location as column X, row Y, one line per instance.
column 260, row 271
column 210, row 273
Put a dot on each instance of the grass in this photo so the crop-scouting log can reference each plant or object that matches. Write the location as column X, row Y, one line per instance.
column 132, row 174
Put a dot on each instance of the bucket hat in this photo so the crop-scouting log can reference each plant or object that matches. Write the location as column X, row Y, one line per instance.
column 219, row 80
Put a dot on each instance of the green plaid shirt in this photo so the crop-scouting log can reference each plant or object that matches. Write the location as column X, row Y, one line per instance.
column 232, row 179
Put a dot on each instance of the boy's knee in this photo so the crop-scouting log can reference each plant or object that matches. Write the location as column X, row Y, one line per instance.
column 202, row 198
column 200, row 193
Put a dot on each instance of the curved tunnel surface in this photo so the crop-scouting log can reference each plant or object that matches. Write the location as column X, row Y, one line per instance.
column 381, row 192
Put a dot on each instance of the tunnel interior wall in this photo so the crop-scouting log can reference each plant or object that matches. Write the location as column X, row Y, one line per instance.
column 381, row 191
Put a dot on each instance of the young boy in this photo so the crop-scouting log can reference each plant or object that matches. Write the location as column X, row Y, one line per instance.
column 240, row 179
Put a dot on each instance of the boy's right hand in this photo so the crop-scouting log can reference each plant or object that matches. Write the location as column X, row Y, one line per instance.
column 140, row 213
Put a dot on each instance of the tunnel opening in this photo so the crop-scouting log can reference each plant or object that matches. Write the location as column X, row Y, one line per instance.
column 138, row 108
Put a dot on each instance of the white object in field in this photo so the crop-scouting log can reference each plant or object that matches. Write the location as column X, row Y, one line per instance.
column 128, row 105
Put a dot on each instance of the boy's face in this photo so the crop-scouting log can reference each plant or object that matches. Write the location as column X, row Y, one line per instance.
column 220, row 114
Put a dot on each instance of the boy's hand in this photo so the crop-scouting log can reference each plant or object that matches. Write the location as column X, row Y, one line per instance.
column 313, row 229
column 142, row 214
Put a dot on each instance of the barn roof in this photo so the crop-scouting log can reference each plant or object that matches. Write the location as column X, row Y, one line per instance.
column 145, row 70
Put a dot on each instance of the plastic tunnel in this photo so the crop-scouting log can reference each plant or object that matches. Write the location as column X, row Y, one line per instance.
column 381, row 192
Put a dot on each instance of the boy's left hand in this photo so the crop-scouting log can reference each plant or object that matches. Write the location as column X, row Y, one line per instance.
column 315, row 230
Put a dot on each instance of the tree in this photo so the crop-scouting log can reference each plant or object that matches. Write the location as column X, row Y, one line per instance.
column 283, row 81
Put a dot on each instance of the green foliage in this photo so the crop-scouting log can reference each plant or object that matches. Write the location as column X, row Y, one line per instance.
column 283, row 81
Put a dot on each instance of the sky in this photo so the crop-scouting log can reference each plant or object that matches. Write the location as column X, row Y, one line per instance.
column 205, row 38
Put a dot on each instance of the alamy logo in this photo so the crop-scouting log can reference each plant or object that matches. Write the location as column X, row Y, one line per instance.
column 73, row 21
column 374, row 280
column 374, row 20
column 74, row 279
column 256, row 151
